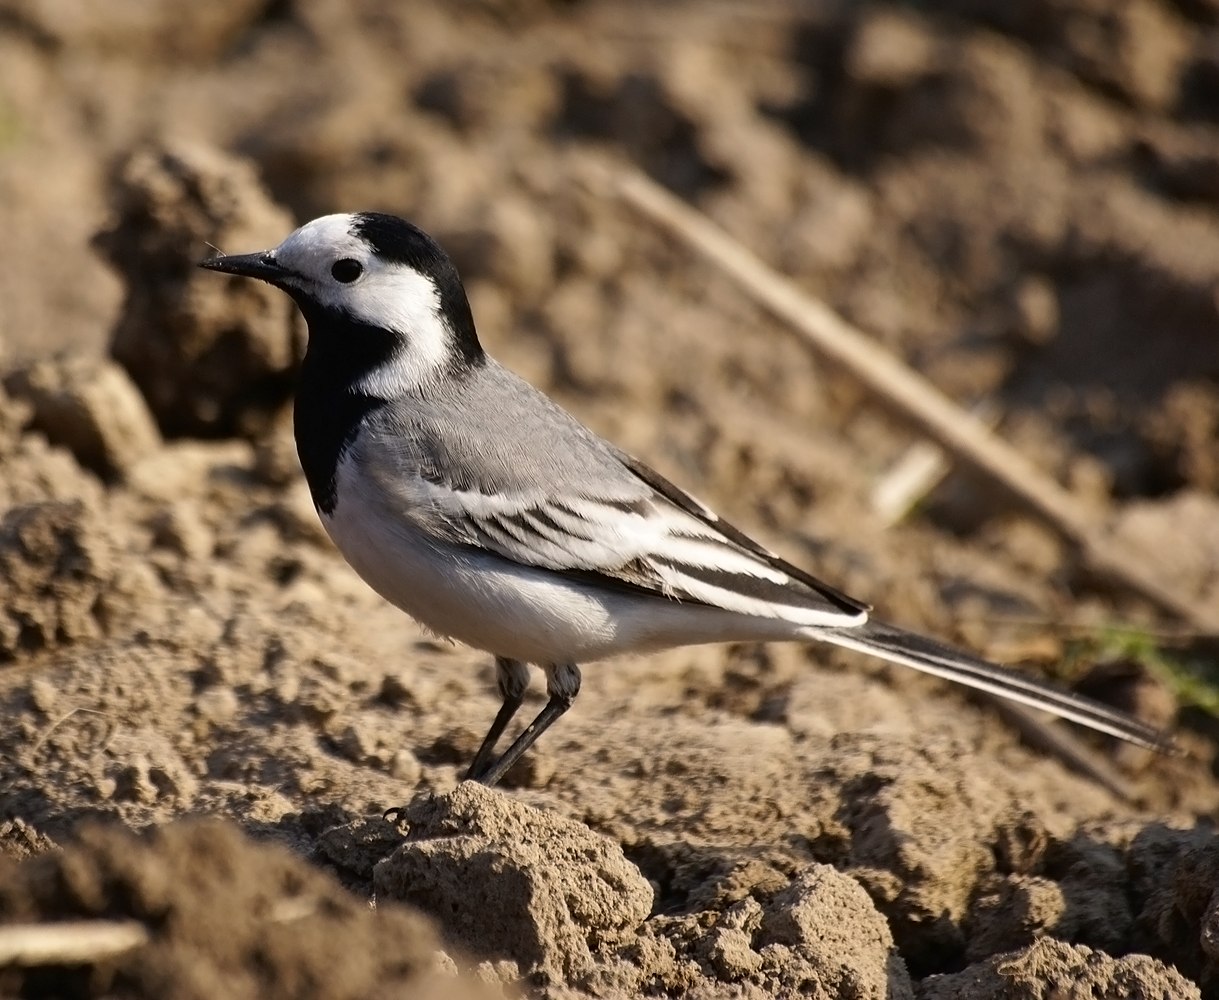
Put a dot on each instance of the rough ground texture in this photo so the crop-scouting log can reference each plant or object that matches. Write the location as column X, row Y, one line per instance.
column 518, row 882
column 1019, row 200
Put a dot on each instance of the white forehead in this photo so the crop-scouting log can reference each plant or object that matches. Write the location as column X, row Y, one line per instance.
column 318, row 244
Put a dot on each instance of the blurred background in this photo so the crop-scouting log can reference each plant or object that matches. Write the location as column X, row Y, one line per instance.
column 1020, row 199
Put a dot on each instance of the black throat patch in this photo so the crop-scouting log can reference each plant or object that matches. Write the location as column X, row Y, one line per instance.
column 329, row 404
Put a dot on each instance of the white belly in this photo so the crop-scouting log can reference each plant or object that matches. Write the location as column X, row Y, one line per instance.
column 512, row 610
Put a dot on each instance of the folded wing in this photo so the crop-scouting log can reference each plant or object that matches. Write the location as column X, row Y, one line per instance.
column 632, row 534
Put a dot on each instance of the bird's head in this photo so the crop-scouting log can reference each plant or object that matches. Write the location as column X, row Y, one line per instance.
column 368, row 274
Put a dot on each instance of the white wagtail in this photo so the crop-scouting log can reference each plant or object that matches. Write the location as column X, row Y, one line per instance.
column 478, row 506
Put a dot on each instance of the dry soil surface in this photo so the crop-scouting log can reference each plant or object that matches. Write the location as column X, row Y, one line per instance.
column 206, row 712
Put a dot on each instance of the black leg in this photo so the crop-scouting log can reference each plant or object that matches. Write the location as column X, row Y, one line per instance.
column 512, row 677
column 563, row 684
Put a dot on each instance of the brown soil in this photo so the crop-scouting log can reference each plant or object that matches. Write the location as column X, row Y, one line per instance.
column 1019, row 199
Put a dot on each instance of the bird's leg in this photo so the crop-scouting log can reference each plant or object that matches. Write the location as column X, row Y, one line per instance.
column 512, row 678
column 562, row 684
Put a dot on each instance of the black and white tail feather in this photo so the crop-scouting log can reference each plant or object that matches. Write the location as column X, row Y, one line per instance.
column 867, row 634
column 483, row 509
column 912, row 650
column 897, row 645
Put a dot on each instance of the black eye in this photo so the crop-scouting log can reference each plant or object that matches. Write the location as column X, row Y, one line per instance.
column 346, row 270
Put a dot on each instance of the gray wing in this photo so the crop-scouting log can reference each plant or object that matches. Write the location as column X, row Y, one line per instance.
column 502, row 468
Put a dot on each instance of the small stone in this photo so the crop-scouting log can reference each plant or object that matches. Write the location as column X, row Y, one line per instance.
column 405, row 767
column 43, row 695
column 891, row 49
column 218, row 705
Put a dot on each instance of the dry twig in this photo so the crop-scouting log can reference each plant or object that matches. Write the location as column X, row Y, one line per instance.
column 75, row 942
column 887, row 377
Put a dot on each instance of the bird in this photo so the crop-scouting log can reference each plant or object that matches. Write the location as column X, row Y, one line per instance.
column 473, row 502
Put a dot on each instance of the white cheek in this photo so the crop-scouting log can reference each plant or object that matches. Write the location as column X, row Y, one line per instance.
column 409, row 304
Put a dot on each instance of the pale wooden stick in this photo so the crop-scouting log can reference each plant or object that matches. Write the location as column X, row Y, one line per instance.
column 83, row 942
column 918, row 471
column 76, row 942
column 913, row 396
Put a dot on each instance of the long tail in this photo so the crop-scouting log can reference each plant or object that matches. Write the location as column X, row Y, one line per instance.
column 899, row 646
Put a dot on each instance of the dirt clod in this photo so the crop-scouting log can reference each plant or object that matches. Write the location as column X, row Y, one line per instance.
column 212, row 358
column 56, row 569
column 509, row 881
column 1049, row 969
column 89, row 406
column 19, row 840
column 1179, row 915
column 836, row 938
